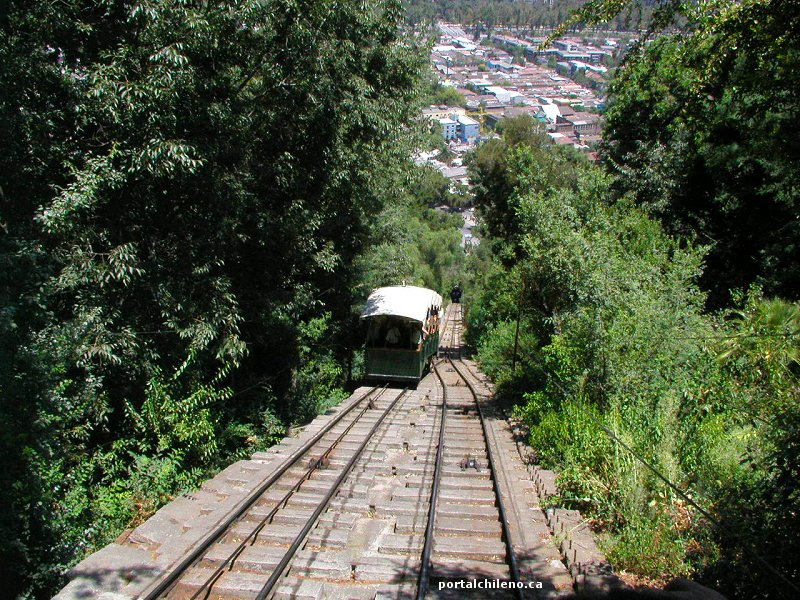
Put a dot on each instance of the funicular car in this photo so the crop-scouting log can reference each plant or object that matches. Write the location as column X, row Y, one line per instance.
column 402, row 332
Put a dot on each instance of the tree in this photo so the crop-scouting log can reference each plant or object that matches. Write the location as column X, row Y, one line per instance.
column 444, row 95
column 612, row 332
column 699, row 128
column 522, row 129
column 185, row 193
column 520, row 160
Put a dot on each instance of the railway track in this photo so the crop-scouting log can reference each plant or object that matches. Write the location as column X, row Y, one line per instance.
column 282, row 511
column 464, row 473
column 400, row 494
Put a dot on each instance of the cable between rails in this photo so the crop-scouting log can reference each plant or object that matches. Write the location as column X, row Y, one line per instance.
column 424, row 575
column 501, row 509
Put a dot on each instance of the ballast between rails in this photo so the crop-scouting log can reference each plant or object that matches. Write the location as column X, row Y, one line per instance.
column 250, row 538
column 424, row 575
column 510, row 555
column 279, row 570
column 406, row 503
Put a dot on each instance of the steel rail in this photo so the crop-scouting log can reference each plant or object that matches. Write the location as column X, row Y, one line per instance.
column 300, row 538
column 451, row 332
column 163, row 585
column 456, row 340
column 251, row 537
column 512, row 558
column 424, row 574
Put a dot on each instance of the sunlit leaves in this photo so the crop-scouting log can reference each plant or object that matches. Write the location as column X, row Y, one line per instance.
column 88, row 188
column 699, row 128
column 187, row 185
column 167, row 157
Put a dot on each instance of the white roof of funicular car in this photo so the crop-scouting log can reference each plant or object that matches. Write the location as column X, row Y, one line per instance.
column 406, row 301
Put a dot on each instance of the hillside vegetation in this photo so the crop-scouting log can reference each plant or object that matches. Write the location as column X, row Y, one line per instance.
column 642, row 314
column 194, row 196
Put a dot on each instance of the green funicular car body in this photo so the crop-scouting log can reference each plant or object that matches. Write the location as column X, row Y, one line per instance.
column 402, row 332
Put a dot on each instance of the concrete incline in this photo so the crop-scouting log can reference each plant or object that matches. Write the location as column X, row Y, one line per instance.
column 369, row 540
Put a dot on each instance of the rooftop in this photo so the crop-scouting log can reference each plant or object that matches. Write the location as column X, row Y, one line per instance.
column 405, row 301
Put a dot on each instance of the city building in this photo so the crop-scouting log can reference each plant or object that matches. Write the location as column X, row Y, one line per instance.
column 469, row 130
column 550, row 84
column 442, row 112
column 449, row 128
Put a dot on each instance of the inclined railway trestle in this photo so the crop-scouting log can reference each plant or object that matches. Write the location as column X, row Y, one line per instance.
column 392, row 496
column 316, row 453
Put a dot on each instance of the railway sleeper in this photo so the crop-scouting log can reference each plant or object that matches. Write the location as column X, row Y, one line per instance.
column 461, row 497
column 449, row 526
column 469, row 547
column 285, row 516
column 324, row 537
column 399, row 543
column 309, row 486
column 454, row 456
column 422, row 467
column 464, row 481
column 388, row 508
column 272, row 534
column 322, row 564
column 386, row 568
column 334, row 590
column 452, row 478
column 299, row 589
column 297, row 500
column 294, row 516
column 231, row 585
column 338, row 462
column 467, row 511
column 257, row 558
column 454, row 471
column 449, row 569
column 465, row 449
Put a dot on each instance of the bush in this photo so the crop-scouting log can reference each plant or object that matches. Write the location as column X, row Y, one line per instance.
column 649, row 547
column 613, row 333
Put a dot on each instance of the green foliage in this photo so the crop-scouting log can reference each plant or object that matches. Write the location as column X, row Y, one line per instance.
column 763, row 347
column 484, row 16
column 443, row 95
column 699, row 130
column 523, row 129
column 497, row 353
column 316, row 385
column 501, row 168
column 697, row 137
column 759, row 350
column 182, row 426
column 188, row 191
column 613, row 335
column 568, row 433
column 415, row 243
column 431, row 188
column 649, row 547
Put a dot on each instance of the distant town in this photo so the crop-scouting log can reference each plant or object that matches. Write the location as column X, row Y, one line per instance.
column 500, row 76
column 491, row 77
